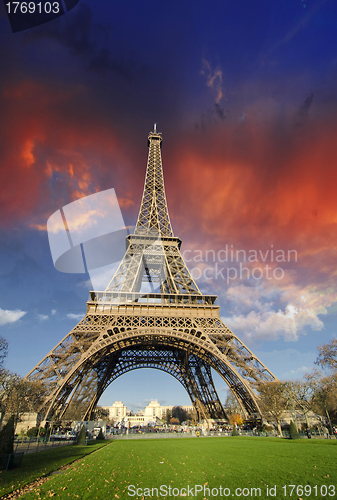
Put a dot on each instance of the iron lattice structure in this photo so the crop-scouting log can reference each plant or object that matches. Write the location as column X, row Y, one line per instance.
column 171, row 327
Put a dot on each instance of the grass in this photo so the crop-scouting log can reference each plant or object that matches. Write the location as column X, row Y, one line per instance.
column 35, row 465
column 233, row 462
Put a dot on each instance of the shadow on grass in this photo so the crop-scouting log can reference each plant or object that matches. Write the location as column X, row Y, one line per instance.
column 42, row 463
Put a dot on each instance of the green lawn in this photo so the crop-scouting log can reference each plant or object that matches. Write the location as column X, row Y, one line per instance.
column 117, row 470
column 35, row 465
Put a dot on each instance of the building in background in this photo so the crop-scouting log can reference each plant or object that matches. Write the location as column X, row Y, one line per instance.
column 152, row 414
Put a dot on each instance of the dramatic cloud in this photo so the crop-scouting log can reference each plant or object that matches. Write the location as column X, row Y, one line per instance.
column 259, row 185
column 7, row 316
column 50, row 144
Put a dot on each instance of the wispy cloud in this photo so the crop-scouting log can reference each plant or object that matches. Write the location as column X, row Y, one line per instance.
column 8, row 316
column 43, row 317
column 213, row 78
column 75, row 316
column 214, row 81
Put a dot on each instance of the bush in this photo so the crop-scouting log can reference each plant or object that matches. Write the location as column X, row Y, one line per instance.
column 43, row 432
column 293, row 431
column 21, row 434
column 267, row 428
column 81, row 440
column 100, row 435
column 7, row 437
column 33, row 432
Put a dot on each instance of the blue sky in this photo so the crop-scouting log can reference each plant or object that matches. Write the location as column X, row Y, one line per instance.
column 245, row 96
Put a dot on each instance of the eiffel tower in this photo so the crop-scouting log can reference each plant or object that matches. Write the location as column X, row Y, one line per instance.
column 173, row 327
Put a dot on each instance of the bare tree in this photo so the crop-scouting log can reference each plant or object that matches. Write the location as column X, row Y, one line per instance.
column 232, row 406
column 100, row 413
column 3, row 351
column 273, row 401
column 301, row 394
column 325, row 394
column 18, row 396
column 327, row 357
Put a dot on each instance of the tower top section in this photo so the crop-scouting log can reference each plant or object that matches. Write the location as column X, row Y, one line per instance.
column 153, row 215
column 154, row 136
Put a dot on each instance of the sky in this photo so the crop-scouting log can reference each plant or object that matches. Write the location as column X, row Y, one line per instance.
column 245, row 96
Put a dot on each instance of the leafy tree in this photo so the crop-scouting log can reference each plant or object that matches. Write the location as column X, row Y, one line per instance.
column 7, row 437
column 174, row 421
column 293, row 431
column 273, row 401
column 33, row 432
column 235, row 418
column 168, row 416
column 327, row 357
column 192, row 416
column 100, row 435
column 179, row 413
column 81, row 440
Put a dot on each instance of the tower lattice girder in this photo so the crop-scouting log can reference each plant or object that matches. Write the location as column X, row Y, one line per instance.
column 173, row 328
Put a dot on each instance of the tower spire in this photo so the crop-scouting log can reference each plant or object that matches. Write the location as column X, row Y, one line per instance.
column 153, row 215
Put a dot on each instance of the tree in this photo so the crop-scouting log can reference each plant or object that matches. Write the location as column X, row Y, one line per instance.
column 293, row 431
column 273, row 401
column 100, row 413
column 18, row 395
column 191, row 416
column 81, row 440
column 179, row 413
column 301, row 394
column 235, row 418
column 100, row 435
column 168, row 416
column 33, row 432
column 3, row 351
column 327, row 357
column 325, row 395
column 7, row 437
column 232, row 406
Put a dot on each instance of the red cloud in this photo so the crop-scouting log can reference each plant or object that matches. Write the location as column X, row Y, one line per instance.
column 54, row 150
column 254, row 186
